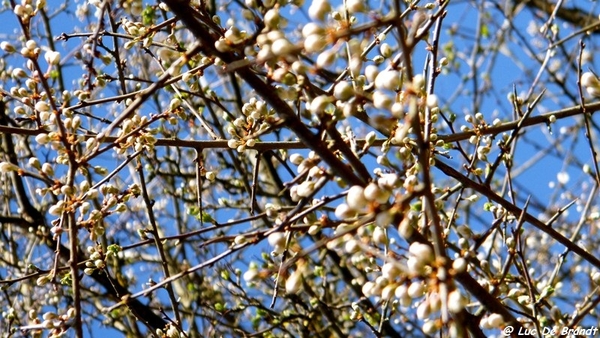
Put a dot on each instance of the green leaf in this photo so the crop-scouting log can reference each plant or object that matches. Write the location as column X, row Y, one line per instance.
column 66, row 279
column 485, row 32
column 193, row 211
column 206, row 217
column 148, row 16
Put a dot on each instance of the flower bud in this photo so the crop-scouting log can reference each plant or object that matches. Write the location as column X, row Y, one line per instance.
column 430, row 327
column 421, row 251
column 251, row 274
column 210, row 175
column 232, row 143
column 423, row 310
column 312, row 28
column 494, row 320
column 19, row 73
column 388, row 79
column 415, row 290
column 432, row 101
column 305, row 188
column 19, row 10
column 319, row 9
column 369, row 289
column 282, row 47
column 43, row 280
column 240, row 239
column 319, row 103
column 388, row 291
column 343, row 91
column 460, row 265
column 456, row 301
column 294, row 282
column 6, row 167
column 355, row 198
column 380, row 236
column 272, row 18
column 418, row 82
column 47, row 169
column 314, row 43
column 355, row 6
column 325, row 59
column 343, row 211
column 385, row 50
column 277, row 239
column 7, row 47
column 52, row 57
column 42, row 106
column 296, row 158
column 588, row 79
column 31, row 44
column 390, row 271
column 381, row 100
column 57, row 209
column 371, row 72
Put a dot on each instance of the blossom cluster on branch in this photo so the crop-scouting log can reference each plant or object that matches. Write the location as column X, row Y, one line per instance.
column 291, row 168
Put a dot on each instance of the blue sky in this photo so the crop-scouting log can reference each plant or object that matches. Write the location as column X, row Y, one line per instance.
column 505, row 72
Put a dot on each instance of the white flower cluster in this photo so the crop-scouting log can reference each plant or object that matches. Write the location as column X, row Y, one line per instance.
column 171, row 331
column 408, row 285
column 137, row 30
column 96, row 261
column 358, row 198
column 245, row 129
column 133, row 28
column 273, row 44
column 232, row 37
column 137, row 135
column 314, row 37
column 25, row 10
column 55, row 322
